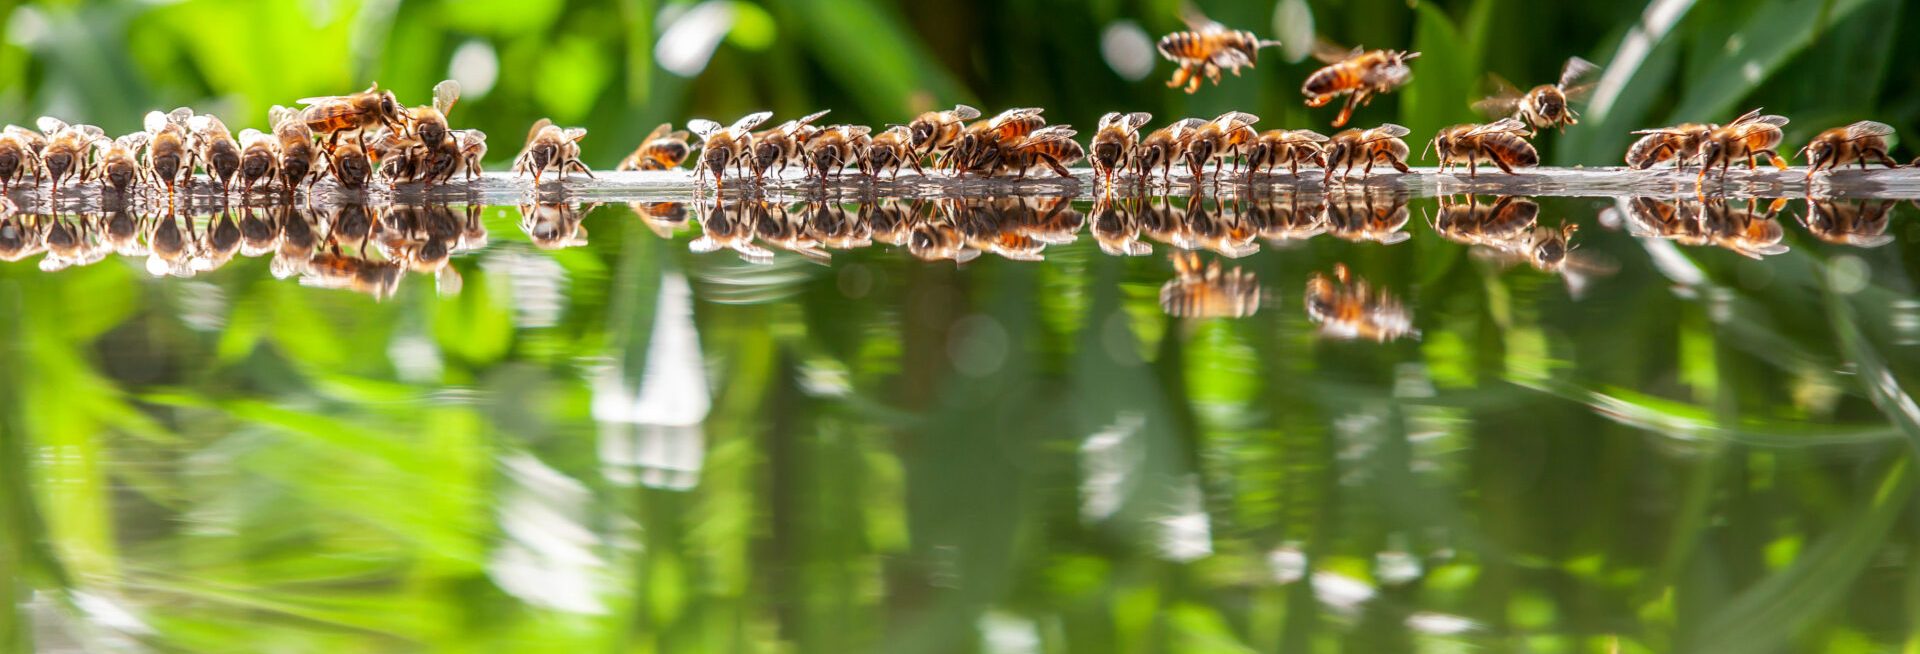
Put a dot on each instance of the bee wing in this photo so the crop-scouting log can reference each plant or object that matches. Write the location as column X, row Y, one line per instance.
column 1330, row 52
column 1868, row 128
column 1048, row 135
column 132, row 141
column 703, row 127
column 180, row 116
column 1197, row 20
column 752, row 120
column 280, row 114
column 1110, row 119
column 445, row 94
column 155, row 121
column 1776, row 121
column 1014, row 114
column 1137, row 120
column 1746, row 117
column 964, row 112
column 1502, row 97
column 1503, row 125
column 93, row 133
column 317, row 100
column 809, row 118
column 249, row 136
column 575, row 133
column 49, row 125
column 1306, row 135
column 855, row 131
column 1578, row 92
column 1387, row 131
column 1233, row 119
column 1575, row 71
column 1187, row 124
column 678, row 135
column 1660, row 130
column 472, row 136
column 657, row 132
column 537, row 126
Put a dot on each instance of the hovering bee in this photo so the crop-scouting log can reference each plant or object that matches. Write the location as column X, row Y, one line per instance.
column 935, row 131
column 295, row 147
column 662, row 149
column 834, row 148
column 722, row 147
column 1207, row 48
column 551, row 146
column 429, row 123
column 1358, row 217
column 1290, row 147
column 1207, row 291
column 119, row 166
column 1749, row 136
column 1163, row 146
column 1859, row 223
column 1113, row 145
column 1358, row 74
column 1355, row 147
column 1502, row 142
column 1860, row 142
column 333, row 116
column 981, row 144
column 258, row 158
column 1348, row 308
column 1052, row 147
column 1219, row 139
column 1679, row 144
column 1116, row 230
column 19, row 155
column 66, row 153
column 783, row 144
column 1546, row 106
column 889, row 149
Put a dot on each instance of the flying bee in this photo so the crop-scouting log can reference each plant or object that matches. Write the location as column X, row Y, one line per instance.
column 294, row 147
column 1290, row 147
column 19, row 155
column 980, row 145
column 1378, row 145
column 889, row 149
column 1860, row 142
column 722, row 147
column 1501, row 142
column 119, row 165
column 1218, row 139
column 349, row 164
column 1547, row 105
column 1208, row 291
column 833, row 148
column 216, row 148
column 333, row 116
column 782, row 144
column 1052, row 147
column 1347, row 308
column 68, row 146
column 257, row 159
column 662, row 149
column 1749, row 136
column 429, row 123
column 1113, row 144
column 1207, row 48
column 551, row 146
column 1163, row 146
column 1358, row 74
column 1358, row 217
column 935, row 131
column 1859, row 223
column 169, row 159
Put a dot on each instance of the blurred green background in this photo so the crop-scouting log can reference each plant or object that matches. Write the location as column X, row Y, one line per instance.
column 619, row 67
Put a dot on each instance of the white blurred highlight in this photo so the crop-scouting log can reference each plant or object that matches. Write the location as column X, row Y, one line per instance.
column 1128, row 50
column 656, row 430
column 476, row 67
column 691, row 36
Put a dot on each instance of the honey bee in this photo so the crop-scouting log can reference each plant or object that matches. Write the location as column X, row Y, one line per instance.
column 776, row 226
column 473, row 148
column 20, row 237
column 1113, row 144
column 722, row 147
column 66, row 154
column 1290, row 147
column 1222, row 231
column 1505, row 221
column 551, row 146
column 1218, row 139
column 1748, row 232
column 119, row 168
column 992, row 225
column 980, row 145
column 1115, row 228
column 828, row 224
column 554, row 225
column 258, row 235
column 429, row 123
column 722, row 227
column 333, row 116
column 1859, row 223
column 1359, row 74
column 1207, row 48
column 1547, row 105
column 398, row 157
column 1347, row 308
column 1300, row 218
column 1749, row 136
column 1052, row 147
column 1358, row 217
column 215, row 148
column 257, row 159
column 1501, row 142
column 1860, row 142
column 295, row 147
column 889, row 149
column 935, row 131
column 1207, row 290
column 1163, row 146
column 1354, row 147
column 662, row 149
column 338, row 271
column 783, row 143
column 349, row 164
column 1679, row 144
column 833, row 148
column 19, row 155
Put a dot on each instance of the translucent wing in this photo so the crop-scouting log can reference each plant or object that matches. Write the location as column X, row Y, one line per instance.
column 537, row 126
column 1575, row 71
column 1502, row 99
column 445, row 94
column 1746, row 117
column 1197, row 20
column 964, row 112
column 658, row 132
column 1306, row 135
column 1386, row 131
column 155, row 121
column 1138, row 120
column 809, row 118
column 703, row 127
column 752, row 120
column 575, row 133
column 1110, row 119
column 49, row 125
column 1330, row 52
column 1233, row 118
column 1868, row 128
column 1502, row 125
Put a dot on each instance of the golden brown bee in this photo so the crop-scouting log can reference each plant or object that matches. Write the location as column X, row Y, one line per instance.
column 1749, row 136
column 935, row 131
column 1347, row 308
column 1218, row 139
column 119, row 164
column 169, row 159
column 1359, row 217
column 1207, row 48
column 429, row 123
column 358, row 274
column 333, row 116
column 1052, row 147
column 1356, row 147
column 294, row 147
column 68, row 146
column 258, row 159
column 1859, row 223
column 889, row 149
column 551, row 146
column 1358, row 74
column 1679, row 144
column 722, row 147
column 1207, row 291
column 1748, row 232
column 398, row 158
column 350, row 165
column 1113, row 145
column 724, row 227
column 19, row 155
column 1290, row 147
column 980, row 145
column 1301, row 217
column 783, row 144
column 834, row 148
column 662, row 149
column 1498, row 224
column 216, row 149
column 1862, row 142
column 1162, row 147
column 1547, row 105
column 1502, row 142
column 473, row 148
column 554, row 225
column 20, row 237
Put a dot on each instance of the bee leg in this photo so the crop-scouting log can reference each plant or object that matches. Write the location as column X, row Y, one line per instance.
column 1884, row 159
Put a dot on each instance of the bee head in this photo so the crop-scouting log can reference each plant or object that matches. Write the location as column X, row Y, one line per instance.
column 920, row 133
column 1710, row 150
column 1818, row 152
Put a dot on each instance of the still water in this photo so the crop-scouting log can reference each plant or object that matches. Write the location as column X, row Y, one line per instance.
column 1361, row 422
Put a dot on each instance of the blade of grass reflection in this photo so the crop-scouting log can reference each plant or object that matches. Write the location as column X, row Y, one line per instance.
column 1686, row 421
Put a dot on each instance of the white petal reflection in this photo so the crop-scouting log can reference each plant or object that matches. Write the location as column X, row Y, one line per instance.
column 1187, row 534
column 547, row 558
column 1108, row 460
column 656, row 431
column 690, row 39
column 1440, row 624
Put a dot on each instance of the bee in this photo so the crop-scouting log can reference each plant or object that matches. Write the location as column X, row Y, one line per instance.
column 778, row 227
column 297, row 241
column 1051, row 220
column 1358, row 74
column 1357, row 217
column 119, row 166
column 554, row 225
column 1501, row 142
column 722, row 147
column 1217, row 139
column 1860, row 142
column 783, row 144
column 1223, row 231
column 1208, row 291
column 219, row 244
column 1114, row 142
column 1547, row 105
column 429, row 123
column 1355, row 146
column 980, row 145
column 1163, row 146
column 1302, row 217
column 349, row 165
column 1052, row 147
column 358, row 274
column 551, row 146
column 397, row 157
column 722, row 227
column 1207, row 48
column 1116, row 230
column 1749, row 136
column 122, row 234
column 828, row 224
column 294, row 147
column 216, row 148
column 935, row 131
column 1348, row 308
column 1507, row 220
column 68, row 147
column 473, row 148
column 169, row 248
column 20, row 237
column 19, row 155
column 1290, row 147
column 333, row 116
column 833, row 148
column 258, row 158
column 1679, row 144
column 1849, row 222
column 890, row 220
column 1747, row 232
column 889, row 149
column 662, row 149
column 258, row 235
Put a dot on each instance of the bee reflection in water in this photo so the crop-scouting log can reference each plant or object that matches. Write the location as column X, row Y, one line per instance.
column 1859, row 223
column 1347, row 308
column 1206, row 290
column 1507, row 232
column 1746, row 229
column 933, row 230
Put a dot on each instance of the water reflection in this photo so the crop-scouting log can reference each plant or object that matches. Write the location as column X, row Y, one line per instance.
column 1859, row 223
column 1207, row 290
column 1747, row 229
column 1347, row 308
column 1507, row 231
